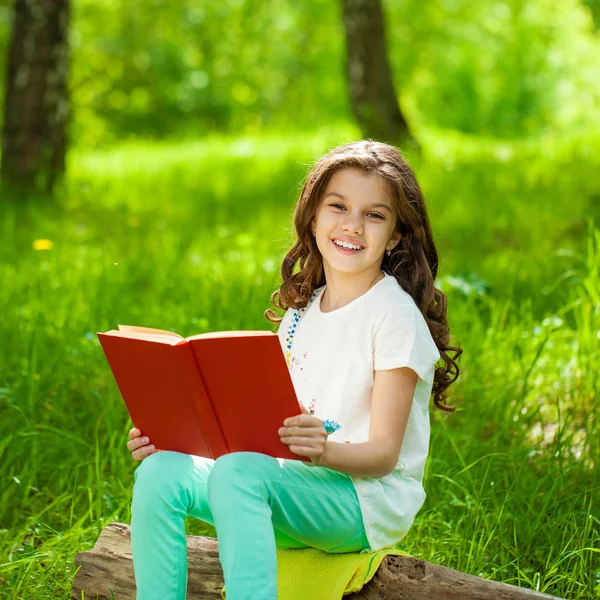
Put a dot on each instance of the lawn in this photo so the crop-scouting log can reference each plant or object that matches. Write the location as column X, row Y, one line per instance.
column 189, row 237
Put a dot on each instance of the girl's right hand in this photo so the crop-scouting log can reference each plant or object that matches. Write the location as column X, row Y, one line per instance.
column 139, row 446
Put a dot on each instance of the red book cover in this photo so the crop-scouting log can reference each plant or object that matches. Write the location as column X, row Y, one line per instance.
column 251, row 391
column 205, row 395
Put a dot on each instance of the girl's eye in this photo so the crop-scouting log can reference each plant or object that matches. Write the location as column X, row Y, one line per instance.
column 342, row 207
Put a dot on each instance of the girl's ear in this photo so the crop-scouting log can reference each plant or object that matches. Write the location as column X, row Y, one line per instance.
column 394, row 241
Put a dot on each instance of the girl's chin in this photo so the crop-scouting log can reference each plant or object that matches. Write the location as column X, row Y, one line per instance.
column 343, row 268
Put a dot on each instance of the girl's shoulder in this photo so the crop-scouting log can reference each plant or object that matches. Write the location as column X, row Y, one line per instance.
column 391, row 297
column 401, row 330
column 393, row 308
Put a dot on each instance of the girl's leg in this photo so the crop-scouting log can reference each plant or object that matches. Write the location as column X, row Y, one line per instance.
column 168, row 487
column 250, row 494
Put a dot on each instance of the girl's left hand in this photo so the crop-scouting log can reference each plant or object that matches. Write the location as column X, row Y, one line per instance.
column 305, row 435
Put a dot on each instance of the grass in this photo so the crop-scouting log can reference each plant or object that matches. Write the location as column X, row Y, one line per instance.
column 189, row 237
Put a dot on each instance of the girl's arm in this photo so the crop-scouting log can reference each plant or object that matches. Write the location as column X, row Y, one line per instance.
column 393, row 391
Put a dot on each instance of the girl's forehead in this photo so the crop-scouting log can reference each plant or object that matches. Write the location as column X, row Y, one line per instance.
column 354, row 184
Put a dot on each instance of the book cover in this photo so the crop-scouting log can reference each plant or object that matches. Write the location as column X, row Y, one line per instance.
column 205, row 395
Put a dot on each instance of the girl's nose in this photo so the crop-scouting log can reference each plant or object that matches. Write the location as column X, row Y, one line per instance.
column 353, row 223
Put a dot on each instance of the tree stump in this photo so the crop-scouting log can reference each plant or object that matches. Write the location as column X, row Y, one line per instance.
column 106, row 573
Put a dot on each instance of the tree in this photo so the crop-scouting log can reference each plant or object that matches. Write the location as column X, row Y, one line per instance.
column 370, row 81
column 36, row 104
column 594, row 6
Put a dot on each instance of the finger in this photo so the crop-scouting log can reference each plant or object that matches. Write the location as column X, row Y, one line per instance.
column 303, row 441
column 297, row 420
column 135, row 432
column 143, row 452
column 302, row 421
column 135, row 443
column 313, row 431
column 138, row 442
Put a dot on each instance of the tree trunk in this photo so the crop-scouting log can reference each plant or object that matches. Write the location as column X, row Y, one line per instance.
column 36, row 106
column 107, row 570
column 373, row 99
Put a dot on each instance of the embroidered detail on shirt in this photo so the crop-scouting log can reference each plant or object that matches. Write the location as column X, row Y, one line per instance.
column 293, row 363
column 331, row 425
column 289, row 338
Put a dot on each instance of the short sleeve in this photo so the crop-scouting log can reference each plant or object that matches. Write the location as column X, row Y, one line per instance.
column 403, row 339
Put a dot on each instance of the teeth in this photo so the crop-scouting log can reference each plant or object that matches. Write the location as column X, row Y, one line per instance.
column 346, row 245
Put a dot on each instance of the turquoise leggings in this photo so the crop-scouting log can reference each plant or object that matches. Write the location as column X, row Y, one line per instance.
column 255, row 502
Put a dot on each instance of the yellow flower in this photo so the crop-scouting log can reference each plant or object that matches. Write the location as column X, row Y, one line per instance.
column 42, row 245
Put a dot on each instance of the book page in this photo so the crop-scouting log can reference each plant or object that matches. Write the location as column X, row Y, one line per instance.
column 168, row 337
column 133, row 328
column 171, row 340
column 229, row 334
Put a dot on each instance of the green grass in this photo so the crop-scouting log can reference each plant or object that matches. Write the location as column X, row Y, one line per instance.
column 189, row 237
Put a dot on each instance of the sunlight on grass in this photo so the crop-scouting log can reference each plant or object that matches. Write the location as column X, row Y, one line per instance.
column 164, row 236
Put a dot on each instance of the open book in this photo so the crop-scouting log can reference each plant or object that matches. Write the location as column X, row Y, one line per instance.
column 206, row 395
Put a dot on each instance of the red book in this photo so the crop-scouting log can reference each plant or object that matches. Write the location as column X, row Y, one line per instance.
column 206, row 395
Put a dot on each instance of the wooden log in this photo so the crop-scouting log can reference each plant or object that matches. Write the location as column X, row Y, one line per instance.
column 106, row 573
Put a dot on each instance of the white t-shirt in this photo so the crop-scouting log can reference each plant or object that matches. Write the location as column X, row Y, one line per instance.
column 332, row 358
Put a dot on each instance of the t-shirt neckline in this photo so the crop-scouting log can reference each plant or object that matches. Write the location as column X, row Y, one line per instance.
column 352, row 302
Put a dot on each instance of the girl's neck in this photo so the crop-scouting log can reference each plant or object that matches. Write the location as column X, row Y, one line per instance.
column 341, row 289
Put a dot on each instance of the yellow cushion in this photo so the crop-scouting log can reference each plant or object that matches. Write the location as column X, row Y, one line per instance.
column 311, row 574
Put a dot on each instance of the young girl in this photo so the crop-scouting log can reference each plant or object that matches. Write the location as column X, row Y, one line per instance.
column 363, row 331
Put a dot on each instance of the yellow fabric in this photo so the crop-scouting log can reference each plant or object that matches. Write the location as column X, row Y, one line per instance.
column 311, row 574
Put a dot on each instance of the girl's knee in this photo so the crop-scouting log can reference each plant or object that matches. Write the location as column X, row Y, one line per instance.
column 161, row 470
column 239, row 469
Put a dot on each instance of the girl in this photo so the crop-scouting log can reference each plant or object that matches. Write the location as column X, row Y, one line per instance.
column 363, row 331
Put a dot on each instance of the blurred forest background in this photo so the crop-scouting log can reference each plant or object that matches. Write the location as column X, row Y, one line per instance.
column 188, row 127
column 504, row 69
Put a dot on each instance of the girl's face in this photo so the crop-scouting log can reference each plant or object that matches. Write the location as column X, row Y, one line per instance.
column 356, row 209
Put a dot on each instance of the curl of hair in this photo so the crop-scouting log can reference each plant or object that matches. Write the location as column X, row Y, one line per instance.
column 413, row 262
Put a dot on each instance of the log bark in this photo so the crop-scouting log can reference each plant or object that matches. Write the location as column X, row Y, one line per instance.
column 370, row 82
column 106, row 573
column 36, row 105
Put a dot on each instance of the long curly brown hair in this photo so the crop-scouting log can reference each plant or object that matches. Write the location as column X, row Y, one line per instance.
column 413, row 262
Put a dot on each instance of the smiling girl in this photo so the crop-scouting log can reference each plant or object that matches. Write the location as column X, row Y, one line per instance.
column 367, row 343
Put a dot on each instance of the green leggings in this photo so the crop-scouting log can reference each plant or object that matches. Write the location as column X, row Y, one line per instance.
column 255, row 502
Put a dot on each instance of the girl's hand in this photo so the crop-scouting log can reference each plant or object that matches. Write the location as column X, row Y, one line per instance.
column 139, row 446
column 305, row 435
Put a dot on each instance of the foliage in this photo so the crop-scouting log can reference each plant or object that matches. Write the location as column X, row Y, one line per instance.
column 506, row 68
column 502, row 68
column 186, row 68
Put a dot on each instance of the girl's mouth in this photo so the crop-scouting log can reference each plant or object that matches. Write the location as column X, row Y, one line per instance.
column 344, row 250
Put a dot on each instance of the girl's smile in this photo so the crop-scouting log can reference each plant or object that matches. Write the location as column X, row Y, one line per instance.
column 346, row 246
